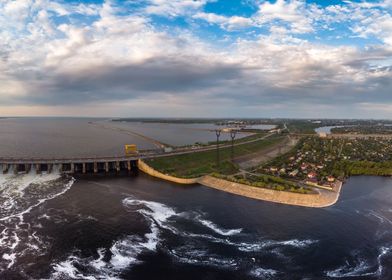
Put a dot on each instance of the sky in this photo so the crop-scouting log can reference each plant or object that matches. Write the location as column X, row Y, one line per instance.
column 196, row 58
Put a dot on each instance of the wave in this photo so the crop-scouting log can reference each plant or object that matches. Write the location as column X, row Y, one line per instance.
column 190, row 255
column 361, row 267
column 126, row 251
column 359, row 270
column 380, row 217
column 109, row 264
column 263, row 244
column 217, row 229
column 263, row 273
column 19, row 195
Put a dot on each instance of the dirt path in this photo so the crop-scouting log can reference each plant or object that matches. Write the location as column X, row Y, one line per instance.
column 255, row 159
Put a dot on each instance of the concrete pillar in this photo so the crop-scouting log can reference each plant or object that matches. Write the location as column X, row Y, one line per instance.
column 61, row 168
column 16, row 169
column 129, row 165
column 107, row 167
column 118, row 166
column 5, row 168
column 50, row 168
column 38, row 168
column 72, row 168
column 27, row 168
column 95, row 167
column 84, row 168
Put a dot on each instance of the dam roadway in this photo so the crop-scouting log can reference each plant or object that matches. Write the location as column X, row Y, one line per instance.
column 99, row 163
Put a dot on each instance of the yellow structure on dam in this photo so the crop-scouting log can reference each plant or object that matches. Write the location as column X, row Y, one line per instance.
column 130, row 150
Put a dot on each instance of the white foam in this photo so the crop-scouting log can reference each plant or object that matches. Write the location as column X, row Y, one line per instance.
column 219, row 230
column 383, row 252
column 263, row 273
column 362, row 268
column 297, row 243
column 190, row 255
column 380, row 217
column 40, row 201
column 11, row 258
column 98, row 264
column 67, row 268
column 157, row 211
column 257, row 246
column 124, row 254
column 18, row 202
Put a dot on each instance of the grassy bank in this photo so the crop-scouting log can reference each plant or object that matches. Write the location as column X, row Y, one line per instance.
column 266, row 181
column 202, row 163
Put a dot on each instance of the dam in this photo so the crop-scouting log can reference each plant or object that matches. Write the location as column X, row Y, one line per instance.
column 69, row 165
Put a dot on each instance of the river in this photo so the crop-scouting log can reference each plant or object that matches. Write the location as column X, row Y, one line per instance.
column 138, row 227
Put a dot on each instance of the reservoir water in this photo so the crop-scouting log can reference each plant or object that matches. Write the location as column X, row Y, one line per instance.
column 138, row 227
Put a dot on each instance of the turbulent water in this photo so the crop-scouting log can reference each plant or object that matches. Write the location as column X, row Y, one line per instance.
column 56, row 227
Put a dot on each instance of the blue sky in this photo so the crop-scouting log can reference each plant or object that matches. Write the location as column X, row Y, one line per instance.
column 196, row 58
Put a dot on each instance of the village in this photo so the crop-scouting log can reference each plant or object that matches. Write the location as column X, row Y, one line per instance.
column 319, row 161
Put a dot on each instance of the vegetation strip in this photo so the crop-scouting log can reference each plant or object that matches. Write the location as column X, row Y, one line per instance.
column 202, row 163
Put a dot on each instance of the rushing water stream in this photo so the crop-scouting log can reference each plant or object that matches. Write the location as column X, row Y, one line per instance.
column 124, row 227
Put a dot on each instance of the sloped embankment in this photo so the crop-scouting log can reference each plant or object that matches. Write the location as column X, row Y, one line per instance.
column 323, row 198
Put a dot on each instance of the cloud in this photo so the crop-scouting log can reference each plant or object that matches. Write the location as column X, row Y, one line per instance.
column 293, row 12
column 229, row 23
column 173, row 8
column 116, row 57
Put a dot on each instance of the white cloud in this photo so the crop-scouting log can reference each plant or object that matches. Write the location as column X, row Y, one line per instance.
column 123, row 58
column 229, row 23
column 292, row 12
column 173, row 8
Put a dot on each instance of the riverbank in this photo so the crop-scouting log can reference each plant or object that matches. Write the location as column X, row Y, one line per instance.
column 323, row 198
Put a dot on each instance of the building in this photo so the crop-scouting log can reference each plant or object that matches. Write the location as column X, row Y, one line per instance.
column 322, row 134
column 312, row 175
column 331, row 179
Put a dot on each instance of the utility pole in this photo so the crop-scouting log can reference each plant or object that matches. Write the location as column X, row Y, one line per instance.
column 217, row 133
column 232, row 135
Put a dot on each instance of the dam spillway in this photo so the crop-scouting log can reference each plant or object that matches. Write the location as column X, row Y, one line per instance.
column 70, row 166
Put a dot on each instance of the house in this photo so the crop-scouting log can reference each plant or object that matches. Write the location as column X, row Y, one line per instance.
column 273, row 169
column 322, row 134
column 330, row 179
column 312, row 175
column 294, row 172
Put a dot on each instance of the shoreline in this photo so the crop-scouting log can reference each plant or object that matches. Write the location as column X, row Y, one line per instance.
column 324, row 198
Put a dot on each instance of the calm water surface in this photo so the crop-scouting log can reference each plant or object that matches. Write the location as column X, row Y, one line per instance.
column 45, row 137
column 137, row 227
column 180, row 134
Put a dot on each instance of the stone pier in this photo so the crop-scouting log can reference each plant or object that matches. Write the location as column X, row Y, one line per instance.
column 38, row 168
column 129, row 166
column 5, row 168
